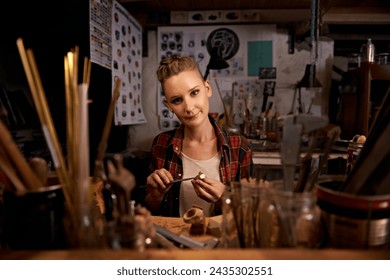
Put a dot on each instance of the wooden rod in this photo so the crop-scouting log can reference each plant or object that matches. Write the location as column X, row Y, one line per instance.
column 36, row 88
column 87, row 71
column 69, row 114
column 10, row 172
column 30, row 179
column 107, row 127
column 48, row 127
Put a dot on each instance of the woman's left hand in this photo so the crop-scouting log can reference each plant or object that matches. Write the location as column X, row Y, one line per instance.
column 209, row 189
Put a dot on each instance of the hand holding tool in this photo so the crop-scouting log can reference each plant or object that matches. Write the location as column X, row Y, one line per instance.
column 200, row 176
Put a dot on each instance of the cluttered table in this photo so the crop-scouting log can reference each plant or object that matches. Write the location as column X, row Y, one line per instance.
column 215, row 254
column 177, row 226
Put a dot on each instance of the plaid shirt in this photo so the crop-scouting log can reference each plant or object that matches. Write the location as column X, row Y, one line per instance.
column 236, row 161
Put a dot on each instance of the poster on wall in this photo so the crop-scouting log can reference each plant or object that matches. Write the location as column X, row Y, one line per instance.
column 116, row 44
column 127, row 66
column 232, row 44
column 100, row 32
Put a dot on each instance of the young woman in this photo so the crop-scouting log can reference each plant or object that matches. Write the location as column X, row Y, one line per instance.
column 198, row 145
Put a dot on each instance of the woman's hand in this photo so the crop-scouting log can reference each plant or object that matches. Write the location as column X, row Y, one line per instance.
column 159, row 182
column 209, row 189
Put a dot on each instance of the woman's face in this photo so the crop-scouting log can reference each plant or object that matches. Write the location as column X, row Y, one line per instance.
column 187, row 95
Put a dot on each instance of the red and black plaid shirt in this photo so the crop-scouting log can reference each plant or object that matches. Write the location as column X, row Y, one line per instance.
column 236, row 161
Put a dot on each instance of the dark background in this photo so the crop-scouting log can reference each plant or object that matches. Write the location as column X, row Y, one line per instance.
column 50, row 30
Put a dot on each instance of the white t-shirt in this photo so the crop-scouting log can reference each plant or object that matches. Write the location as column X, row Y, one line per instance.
column 191, row 168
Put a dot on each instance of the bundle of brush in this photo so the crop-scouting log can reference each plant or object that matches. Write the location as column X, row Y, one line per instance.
column 247, row 204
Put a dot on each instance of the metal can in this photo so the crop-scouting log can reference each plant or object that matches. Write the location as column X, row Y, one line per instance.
column 353, row 221
column 368, row 51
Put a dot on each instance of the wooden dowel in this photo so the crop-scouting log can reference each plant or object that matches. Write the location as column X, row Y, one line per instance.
column 76, row 69
column 41, row 107
column 48, row 128
column 30, row 180
column 232, row 104
column 227, row 114
column 107, row 126
column 46, row 122
column 30, row 79
column 10, row 172
column 83, row 150
column 87, row 71
column 69, row 114
column 70, row 122
column 73, row 60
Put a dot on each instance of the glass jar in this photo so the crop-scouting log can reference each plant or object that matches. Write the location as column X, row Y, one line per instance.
column 263, row 215
column 298, row 218
column 247, row 216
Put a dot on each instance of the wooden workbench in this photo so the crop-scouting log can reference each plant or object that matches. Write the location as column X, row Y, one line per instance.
column 177, row 226
column 185, row 254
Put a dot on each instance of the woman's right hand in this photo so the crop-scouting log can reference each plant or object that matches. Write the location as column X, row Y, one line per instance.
column 159, row 182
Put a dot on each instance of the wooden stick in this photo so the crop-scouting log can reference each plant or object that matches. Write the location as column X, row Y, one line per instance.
column 87, row 71
column 227, row 117
column 10, row 172
column 232, row 104
column 76, row 69
column 107, row 128
column 76, row 116
column 46, row 122
column 30, row 179
column 42, row 110
column 82, row 193
column 69, row 114
column 30, row 79
column 48, row 127
column 51, row 137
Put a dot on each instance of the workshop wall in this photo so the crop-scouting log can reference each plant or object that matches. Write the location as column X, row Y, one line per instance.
column 290, row 70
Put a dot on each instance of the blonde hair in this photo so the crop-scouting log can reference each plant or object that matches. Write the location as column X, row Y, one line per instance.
column 173, row 65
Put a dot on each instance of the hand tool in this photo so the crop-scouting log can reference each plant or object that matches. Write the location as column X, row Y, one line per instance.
column 200, row 176
column 185, row 241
